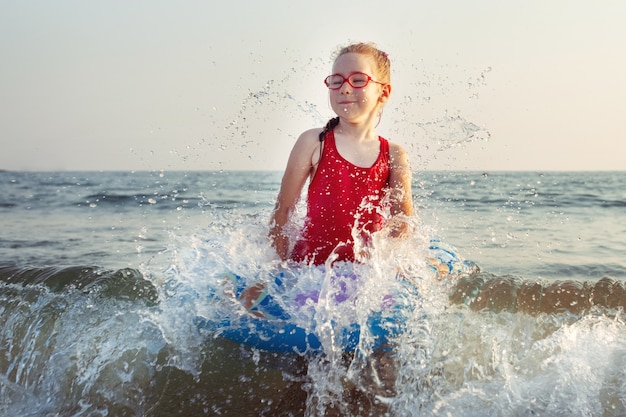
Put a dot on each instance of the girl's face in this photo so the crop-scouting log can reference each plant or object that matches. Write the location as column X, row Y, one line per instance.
column 357, row 105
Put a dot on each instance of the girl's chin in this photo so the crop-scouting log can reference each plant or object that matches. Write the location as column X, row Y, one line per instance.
column 346, row 110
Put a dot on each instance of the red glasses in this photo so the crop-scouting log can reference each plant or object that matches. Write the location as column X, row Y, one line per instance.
column 356, row 80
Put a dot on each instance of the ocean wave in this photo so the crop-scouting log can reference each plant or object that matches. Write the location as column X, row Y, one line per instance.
column 127, row 284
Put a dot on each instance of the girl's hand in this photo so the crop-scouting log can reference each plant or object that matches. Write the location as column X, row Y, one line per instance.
column 251, row 296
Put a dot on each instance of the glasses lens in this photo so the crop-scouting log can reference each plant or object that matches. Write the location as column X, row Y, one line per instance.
column 334, row 81
column 358, row 80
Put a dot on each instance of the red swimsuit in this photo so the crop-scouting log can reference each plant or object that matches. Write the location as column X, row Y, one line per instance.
column 341, row 196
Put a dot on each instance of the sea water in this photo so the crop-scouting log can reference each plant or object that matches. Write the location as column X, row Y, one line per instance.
column 103, row 276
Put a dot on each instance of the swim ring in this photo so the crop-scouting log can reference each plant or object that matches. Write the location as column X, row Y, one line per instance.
column 270, row 324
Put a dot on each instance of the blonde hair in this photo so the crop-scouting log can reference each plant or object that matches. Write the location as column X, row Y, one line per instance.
column 381, row 59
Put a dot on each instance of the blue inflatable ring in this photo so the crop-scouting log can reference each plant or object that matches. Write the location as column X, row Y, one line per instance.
column 271, row 328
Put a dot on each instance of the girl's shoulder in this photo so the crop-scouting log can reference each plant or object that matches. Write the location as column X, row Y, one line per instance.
column 308, row 140
column 311, row 134
column 396, row 148
column 397, row 154
column 306, row 150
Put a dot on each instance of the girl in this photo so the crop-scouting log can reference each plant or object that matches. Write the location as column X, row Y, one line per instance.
column 354, row 174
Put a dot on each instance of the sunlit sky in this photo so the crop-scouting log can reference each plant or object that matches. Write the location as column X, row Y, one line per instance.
column 204, row 85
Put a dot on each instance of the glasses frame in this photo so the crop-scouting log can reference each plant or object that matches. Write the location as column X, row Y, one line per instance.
column 347, row 80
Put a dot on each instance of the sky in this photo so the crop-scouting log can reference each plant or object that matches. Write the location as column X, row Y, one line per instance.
column 204, row 85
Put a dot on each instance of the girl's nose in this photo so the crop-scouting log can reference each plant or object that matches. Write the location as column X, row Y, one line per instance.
column 345, row 88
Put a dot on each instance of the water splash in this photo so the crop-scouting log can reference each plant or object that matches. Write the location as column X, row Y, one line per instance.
column 84, row 341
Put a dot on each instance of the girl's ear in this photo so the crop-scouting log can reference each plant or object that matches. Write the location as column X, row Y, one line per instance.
column 385, row 93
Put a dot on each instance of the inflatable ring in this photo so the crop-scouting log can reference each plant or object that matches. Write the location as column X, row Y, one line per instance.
column 269, row 326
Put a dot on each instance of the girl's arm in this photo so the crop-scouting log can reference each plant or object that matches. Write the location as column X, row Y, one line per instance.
column 400, row 193
column 299, row 168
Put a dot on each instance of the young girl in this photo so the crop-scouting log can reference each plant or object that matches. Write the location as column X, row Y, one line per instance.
column 354, row 174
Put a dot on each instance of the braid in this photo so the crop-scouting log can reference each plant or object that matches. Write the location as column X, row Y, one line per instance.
column 332, row 123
